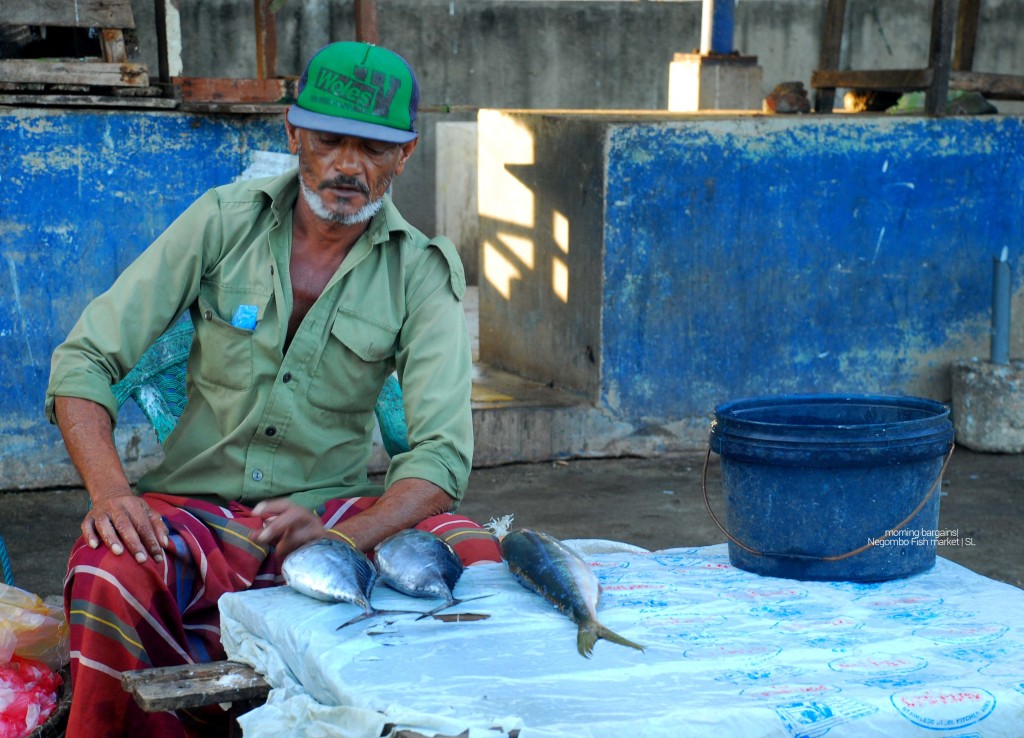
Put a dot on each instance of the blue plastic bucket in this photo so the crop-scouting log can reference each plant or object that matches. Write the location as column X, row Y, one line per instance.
column 817, row 486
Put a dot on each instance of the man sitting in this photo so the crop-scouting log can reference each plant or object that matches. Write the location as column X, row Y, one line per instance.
column 306, row 291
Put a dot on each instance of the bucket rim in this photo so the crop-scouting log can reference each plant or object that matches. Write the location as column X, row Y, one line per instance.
column 730, row 411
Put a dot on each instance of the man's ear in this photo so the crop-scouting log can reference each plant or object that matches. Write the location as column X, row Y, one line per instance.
column 293, row 133
column 407, row 149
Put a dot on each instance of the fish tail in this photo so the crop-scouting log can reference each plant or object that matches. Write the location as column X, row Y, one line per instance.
column 591, row 632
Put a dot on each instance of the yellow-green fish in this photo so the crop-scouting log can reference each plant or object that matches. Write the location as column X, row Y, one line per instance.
column 550, row 568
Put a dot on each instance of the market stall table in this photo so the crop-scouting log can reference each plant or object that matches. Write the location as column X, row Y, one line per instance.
column 727, row 653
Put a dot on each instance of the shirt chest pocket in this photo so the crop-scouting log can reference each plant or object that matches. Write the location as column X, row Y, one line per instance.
column 225, row 352
column 358, row 356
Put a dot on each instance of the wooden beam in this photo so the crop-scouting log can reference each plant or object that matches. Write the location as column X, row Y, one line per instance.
column 63, row 72
column 194, row 685
column 86, row 101
column 367, row 28
column 993, row 86
column 77, row 14
column 112, row 43
column 224, row 90
column 897, row 80
column 966, row 35
column 168, row 39
column 831, row 49
column 940, row 55
column 266, row 40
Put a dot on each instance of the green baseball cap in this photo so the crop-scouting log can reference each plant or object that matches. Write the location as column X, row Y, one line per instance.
column 358, row 89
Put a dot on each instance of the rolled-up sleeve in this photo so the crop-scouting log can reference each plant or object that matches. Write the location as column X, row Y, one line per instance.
column 119, row 325
column 434, row 362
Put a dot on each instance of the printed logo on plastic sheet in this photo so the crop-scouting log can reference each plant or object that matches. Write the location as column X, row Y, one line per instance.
column 635, row 595
column 944, row 707
column 890, row 683
column 878, row 665
column 683, row 627
column 996, row 667
column 815, row 719
column 915, row 608
column 739, row 678
column 818, row 626
column 789, row 692
column 745, row 652
column 765, row 594
column 963, row 634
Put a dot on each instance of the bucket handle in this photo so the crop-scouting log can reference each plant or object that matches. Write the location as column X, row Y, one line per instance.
column 871, row 541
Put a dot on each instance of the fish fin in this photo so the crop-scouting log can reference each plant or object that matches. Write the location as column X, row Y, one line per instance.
column 357, row 618
column 373, row 613
column 498, row 527
column 446, row 605
column 591, row 632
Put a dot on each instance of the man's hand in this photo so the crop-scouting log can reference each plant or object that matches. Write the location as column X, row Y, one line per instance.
column 126, row 522
column 118, row 519
column 286, row 526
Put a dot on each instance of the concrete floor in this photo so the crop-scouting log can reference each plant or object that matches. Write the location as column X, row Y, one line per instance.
column 650, row 502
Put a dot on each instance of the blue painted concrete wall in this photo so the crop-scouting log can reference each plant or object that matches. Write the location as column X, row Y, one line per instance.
column 755, row 256
column 81, row 194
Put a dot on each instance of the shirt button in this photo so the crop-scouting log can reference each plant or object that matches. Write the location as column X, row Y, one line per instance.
column 208, row 315
column 287, row 377
column 271, row 431
column 257, row 475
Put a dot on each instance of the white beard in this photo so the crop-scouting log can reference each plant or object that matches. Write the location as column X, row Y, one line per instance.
column 316, row 204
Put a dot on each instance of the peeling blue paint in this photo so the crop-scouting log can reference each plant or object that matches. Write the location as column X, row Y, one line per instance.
column 763, row 255
column 82, row 192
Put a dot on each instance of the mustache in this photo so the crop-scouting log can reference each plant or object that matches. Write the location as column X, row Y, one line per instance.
column 343, row 181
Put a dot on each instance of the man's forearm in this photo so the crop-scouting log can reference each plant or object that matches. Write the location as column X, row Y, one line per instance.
column 88, row 436
column 405, row 504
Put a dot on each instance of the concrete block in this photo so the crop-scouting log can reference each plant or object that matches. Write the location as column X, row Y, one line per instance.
column 456, row 171
column 988, row 405
column 714, row 82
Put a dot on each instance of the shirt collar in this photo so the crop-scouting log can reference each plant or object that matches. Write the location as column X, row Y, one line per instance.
column 283, row 191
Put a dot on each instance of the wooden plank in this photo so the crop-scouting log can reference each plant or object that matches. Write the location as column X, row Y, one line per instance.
column 993, row 86
column 194, row 685
column 898, row 80
column 71, row 72
column 225, row 90
column 87, row 101
column 77, row 14
column 831, row 49
column 940, row 55
column 112, row 43
column 367, row 28
column 266, row 40
column 966, row 35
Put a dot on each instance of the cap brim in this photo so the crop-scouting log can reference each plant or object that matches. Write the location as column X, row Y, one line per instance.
column 345, row 126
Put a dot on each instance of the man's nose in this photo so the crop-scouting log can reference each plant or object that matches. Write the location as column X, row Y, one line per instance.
column 346, row 157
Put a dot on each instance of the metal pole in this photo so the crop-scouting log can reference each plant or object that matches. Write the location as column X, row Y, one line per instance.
column 716, row 27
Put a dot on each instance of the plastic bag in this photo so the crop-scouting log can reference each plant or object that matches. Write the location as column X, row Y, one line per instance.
column 28, row 696
column 39, row 630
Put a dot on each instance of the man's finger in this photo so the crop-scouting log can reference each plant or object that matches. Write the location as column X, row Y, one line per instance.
column 129, row 531
column 107, row 533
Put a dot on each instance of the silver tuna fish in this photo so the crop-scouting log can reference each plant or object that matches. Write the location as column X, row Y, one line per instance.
column 550, row 568
column 420, row 564
column 333, row 571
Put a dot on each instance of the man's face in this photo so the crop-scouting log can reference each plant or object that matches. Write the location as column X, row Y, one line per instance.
column 343, row 178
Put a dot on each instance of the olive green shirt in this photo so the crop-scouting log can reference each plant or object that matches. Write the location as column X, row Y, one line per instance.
column 262, row 423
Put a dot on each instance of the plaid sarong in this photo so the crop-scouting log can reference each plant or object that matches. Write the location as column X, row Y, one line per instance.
column 125, row 616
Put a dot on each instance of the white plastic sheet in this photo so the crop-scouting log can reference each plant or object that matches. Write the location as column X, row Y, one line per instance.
column 727, row 653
